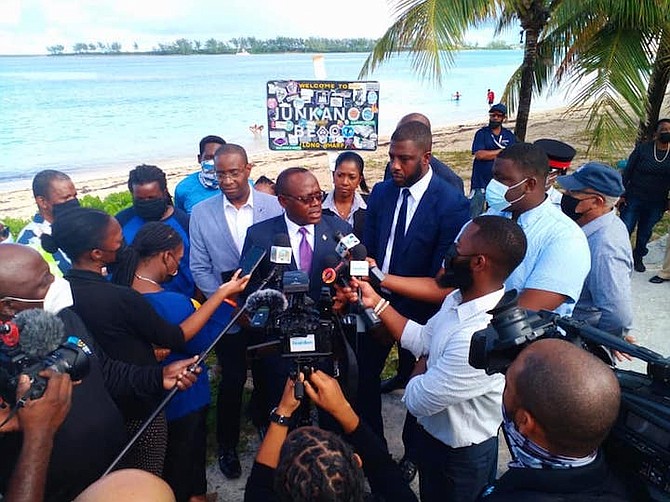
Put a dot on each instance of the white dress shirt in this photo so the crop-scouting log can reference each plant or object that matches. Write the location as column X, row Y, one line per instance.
column 416, row 192
column 239, row 220
column 454, row 402
column 296, row 237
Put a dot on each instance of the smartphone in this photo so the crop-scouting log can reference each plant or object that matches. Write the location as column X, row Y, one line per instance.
column 251, row 259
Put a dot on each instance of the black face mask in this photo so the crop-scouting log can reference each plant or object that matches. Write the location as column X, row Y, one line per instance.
column 664, row 137
column 457, row 273
column 150, row 209
column 495, row 123
column 120, row 257
column 58, row 209
column 569, row 206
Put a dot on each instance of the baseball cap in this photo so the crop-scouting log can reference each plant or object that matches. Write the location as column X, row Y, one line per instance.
column 498, row 108
column 596, row 176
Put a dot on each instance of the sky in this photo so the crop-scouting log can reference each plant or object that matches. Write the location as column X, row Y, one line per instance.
column 29, row 26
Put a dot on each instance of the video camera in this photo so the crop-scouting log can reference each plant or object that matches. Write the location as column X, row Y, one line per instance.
column 308, row 333
column 638, row 445
column 72, row 356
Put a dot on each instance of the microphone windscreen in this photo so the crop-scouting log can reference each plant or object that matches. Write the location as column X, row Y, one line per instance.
column 40, row 332
column 281, row 240
column 358, row 252
column 274, row 300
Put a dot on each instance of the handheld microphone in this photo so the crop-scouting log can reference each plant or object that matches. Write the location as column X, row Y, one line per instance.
column 334, row 270
column 345, row 243
column 374, row 275
column 281, row 251
column 358, row 265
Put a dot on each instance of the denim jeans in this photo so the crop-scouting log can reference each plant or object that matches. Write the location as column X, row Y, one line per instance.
column 645, row 214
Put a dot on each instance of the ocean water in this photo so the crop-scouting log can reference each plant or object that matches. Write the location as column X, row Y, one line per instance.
column 99, row 113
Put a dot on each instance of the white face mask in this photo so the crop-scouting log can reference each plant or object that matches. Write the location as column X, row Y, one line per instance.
column 495, row 194
column 59, row 296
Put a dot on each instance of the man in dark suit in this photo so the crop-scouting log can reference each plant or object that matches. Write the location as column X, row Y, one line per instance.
column 412, row 219
column 439, row 167
column 311, row 234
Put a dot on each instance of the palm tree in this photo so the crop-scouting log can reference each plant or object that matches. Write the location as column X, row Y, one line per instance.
column 431, row 29
column 611, row 48
column 619, row 54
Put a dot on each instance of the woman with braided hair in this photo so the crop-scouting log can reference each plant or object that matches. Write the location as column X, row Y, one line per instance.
column 153, row 260
column 314, row 465
column 120, row 319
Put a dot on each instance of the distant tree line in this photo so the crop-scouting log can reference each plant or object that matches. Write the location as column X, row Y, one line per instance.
column 251, row 45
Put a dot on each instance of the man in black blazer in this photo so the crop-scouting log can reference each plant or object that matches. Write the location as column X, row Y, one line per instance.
column 300, row 195
column 433, row 214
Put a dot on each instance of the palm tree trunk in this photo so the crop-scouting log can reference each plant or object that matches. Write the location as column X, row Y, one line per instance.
column 658, row 84
column 527, row 83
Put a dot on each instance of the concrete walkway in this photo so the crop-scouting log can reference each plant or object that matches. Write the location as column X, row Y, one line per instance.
column 651, row 310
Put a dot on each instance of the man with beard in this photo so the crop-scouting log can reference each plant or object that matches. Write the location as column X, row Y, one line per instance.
column 53, row 192
column 458, row 407
column 411, row 221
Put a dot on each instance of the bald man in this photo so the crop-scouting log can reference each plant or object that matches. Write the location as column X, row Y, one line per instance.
column 439, row 167
column 559, row 404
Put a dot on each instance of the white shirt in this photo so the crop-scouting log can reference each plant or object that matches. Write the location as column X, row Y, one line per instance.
column 456, row 403
column 358, row 203
column 296, row 237
column 416, row 192
column 239, row 220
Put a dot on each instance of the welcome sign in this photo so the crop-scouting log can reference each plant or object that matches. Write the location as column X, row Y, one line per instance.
column 322, row 115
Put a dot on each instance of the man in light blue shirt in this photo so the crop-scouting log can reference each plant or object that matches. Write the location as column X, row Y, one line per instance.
column 203, row 184
column 591, row 193
column 558, row 260
column 457, row 406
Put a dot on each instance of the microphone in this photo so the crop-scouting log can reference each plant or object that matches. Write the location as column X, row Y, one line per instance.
column 358, row 265
column 40, row 332
column 345, row 243
column 334, row 269
column 374, row 275
column 281, row 251
column 265, row 303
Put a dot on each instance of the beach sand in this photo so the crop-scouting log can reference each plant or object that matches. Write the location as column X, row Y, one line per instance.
column 451, row 144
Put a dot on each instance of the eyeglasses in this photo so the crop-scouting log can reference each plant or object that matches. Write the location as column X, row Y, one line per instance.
column 308, row 199
column 231, row 175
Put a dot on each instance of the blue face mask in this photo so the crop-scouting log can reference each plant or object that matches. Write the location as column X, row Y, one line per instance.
column 495, row 194
column 208, row 174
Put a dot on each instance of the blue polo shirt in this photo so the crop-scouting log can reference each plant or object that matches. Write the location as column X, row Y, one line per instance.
column 557, row 258
column 191, row 191
column 486, row 140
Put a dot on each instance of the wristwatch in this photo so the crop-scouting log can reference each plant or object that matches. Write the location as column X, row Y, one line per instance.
column 279, row 419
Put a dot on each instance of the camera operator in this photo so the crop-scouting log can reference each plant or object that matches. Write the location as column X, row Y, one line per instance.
column 559, row 404
column 312, row 464
column 39, row 420
column 457, row 406
column 93, row 432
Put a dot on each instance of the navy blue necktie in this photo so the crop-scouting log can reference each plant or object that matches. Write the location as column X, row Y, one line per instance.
column 399, row 235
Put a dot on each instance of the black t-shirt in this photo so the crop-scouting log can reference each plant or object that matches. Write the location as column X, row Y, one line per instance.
column 645, row 177
column 125, row 325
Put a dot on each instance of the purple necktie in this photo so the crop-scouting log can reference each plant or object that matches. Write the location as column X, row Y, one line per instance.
column 305, row 252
